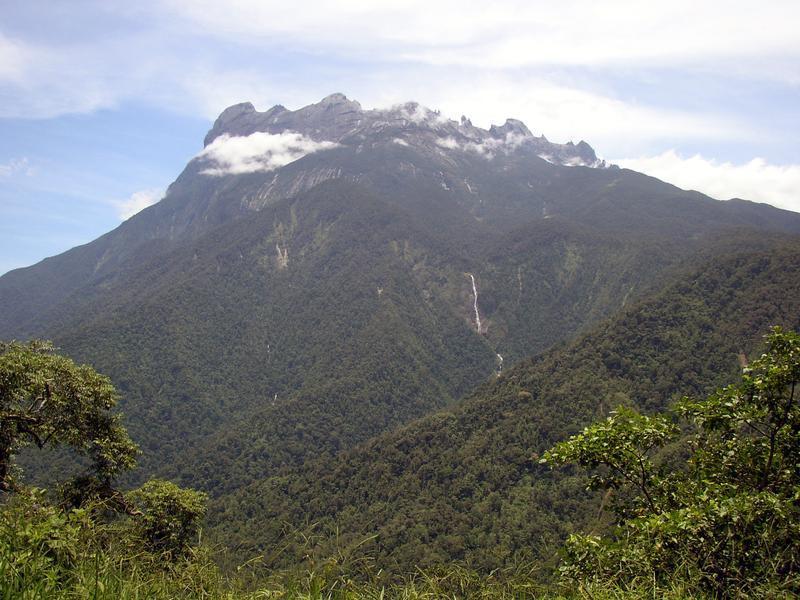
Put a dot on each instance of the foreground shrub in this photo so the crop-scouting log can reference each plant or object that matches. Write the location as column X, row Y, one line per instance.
column 729, row 522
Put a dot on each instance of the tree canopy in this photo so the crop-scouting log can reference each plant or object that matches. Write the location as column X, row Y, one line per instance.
column 56, row 548
column 48, row 400
column 730, row 518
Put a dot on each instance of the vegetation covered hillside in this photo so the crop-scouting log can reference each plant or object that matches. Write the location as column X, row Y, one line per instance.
column 257, row 320
column 332, row 317
column 466, row 485
column 279, row 351
column 721, row 524
column 723, row 519
column 296, row 340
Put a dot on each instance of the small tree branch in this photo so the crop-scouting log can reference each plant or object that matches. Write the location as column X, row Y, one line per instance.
column 635, row 483
column 19, row 417
column 773, row 434
column 36, row 439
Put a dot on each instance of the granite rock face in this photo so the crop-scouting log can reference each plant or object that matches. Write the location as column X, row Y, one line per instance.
column 338, row 119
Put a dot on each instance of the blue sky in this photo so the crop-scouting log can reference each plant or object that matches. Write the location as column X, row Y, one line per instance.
column 103, row 103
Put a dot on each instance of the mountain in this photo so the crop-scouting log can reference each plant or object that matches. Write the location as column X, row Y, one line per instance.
column 468, row 182
column 465, row 485
column 314, row 278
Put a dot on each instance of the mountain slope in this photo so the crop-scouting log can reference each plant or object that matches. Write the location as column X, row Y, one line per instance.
column 328, row 327
column 465, row 485
column 307, row 282
column 463, row 182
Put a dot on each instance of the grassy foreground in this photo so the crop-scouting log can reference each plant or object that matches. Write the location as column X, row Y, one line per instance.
column 50, row 553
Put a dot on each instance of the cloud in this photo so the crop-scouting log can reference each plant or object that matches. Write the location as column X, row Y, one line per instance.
column 417, row 113
column 448, row 143
column 138, row 201
column 487, row 148
column 508, row 60
column 15, row 56
column 512, row 33
column 613, row 126
column 563, row 113
column 492, row 146
column 38, row 80
column 259, row 151
column 178, row 42
column 14, row 166
column 632, row 79
column 757, row 180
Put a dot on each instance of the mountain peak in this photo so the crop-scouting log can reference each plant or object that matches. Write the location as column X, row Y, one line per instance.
column 513, row 126
column 340, row 120
column 237, row 109
column 586, row 152
column 231, row 118
column 235, row 112
column 338, row 99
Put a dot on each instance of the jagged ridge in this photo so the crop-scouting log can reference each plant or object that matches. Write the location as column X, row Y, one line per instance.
column 336, row 118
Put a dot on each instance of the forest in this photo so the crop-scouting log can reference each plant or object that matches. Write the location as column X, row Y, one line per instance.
column 654, row 455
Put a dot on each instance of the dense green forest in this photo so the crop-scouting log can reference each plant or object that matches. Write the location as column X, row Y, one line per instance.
column 459, row 503
column 466, row 485
column 232, row 365
column 707, row 508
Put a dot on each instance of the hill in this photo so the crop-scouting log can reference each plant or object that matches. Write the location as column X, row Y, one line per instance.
column 465, row 485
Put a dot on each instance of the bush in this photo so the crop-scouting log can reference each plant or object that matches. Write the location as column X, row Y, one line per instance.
column 729, row 522
column 170, row 517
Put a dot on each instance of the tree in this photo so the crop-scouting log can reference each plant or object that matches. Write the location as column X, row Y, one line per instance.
column 170, row 516
column 48, row 400
column 623, row 444
column 730, row 519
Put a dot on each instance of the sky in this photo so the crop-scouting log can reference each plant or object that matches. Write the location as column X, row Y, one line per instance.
column 102, row 103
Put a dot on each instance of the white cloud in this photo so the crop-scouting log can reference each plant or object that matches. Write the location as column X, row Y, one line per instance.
column 417, row 113
column 513, row 33
column 181, row 45
column 14, row 58
column 506, row 59
column 15, row 166
column 612, row 126
column 449, row 143
column 138, row 201
column 562, row 112
column 487, row 148
column 757, row 180
column 202, row 56
column 38, row 80
column 258, row 151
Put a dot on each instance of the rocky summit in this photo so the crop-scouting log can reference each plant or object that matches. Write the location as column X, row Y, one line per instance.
column 337, row 119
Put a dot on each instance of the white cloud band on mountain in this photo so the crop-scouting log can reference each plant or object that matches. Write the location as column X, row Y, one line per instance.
column 259, row 151
column 138, row 201
column 487, row 148
column 756, row 180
